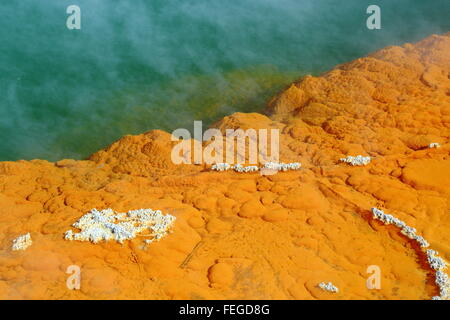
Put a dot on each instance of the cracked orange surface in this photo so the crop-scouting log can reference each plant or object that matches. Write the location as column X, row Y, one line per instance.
column 247, row 236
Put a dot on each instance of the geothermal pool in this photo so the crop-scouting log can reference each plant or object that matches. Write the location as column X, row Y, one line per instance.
column 140, row 65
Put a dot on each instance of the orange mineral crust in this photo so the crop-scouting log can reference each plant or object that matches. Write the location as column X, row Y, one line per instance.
column 248, row 236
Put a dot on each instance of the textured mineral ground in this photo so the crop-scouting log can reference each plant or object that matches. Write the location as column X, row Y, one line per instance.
column 249, row 236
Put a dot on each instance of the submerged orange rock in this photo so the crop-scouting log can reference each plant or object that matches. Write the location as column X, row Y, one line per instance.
column 247, row 236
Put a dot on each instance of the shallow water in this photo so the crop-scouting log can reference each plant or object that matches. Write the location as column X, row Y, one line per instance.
column 160, row 64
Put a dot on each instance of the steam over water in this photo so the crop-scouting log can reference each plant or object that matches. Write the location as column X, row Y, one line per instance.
column 138, row 65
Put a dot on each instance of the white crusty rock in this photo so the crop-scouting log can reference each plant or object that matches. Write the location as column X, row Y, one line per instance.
column 434, row 145
column 22, row 242
column 328, row 287
column 282, row 166
column 408, row 231
column 221, row 167
column 356, row 161
column 240, row 168
column 441, row 278
column 436, row 263
column 443, row 283
column 268, row 165
column 107, row 225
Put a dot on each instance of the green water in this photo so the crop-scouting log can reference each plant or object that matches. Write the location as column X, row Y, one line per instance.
column 158, row 64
